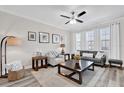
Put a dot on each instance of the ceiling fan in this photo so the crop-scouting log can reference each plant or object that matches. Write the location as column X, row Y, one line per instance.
column 74, row 18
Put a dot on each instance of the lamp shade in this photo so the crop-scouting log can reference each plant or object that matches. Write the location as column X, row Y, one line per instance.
column 13, row 41
column 62, row 45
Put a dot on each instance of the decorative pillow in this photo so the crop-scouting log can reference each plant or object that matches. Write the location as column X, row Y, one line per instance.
column 99, row 55
column 56, row 54
column 50, row 54
column 14, row 66
column 8, row 66
column 87, row 54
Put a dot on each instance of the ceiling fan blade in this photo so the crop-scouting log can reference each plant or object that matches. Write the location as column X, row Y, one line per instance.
column 67, row 22
column 65, row 16
column 82, row 13
column 79, row 20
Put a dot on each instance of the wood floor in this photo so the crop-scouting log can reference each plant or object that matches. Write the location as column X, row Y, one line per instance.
column 28, row 81
column 101, row 77
column 111, row 77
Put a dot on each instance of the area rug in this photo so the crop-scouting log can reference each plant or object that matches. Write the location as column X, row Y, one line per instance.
column 48, row 77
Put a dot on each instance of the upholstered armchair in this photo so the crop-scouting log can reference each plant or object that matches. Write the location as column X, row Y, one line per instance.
column 54, row 58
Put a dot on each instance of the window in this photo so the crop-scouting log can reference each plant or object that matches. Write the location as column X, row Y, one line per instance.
column 78, row 41
column 105, row 38
column 90, row 40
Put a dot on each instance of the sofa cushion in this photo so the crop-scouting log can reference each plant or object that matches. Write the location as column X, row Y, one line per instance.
column 58, row 59
column 96, row 60
column 55, row 61
column 84, row 58
column 87, row 54
column 91, row 59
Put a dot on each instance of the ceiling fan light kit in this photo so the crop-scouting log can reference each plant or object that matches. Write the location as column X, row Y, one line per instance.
column 74, row 19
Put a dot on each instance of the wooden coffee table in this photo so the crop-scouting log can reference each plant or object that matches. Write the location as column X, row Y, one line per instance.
column 76, row 68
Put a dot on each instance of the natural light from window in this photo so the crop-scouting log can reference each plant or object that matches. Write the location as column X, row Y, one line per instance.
column 78, row 45
column 90, row 40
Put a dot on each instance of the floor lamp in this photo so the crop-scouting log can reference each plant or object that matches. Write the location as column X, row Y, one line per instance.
column 4, row 46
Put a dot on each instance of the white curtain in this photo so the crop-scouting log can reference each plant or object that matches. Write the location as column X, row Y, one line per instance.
column 115, row 51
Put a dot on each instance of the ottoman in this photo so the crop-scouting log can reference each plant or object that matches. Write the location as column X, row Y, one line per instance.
column 115, row 61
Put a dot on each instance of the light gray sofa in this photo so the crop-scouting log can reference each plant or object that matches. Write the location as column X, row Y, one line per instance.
column 97, row 61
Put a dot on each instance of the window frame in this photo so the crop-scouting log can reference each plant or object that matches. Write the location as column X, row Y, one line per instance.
column 90, row 37
column 78, row 41
column 105, row 39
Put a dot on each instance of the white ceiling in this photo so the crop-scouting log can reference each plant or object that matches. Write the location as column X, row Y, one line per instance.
column 50, row 14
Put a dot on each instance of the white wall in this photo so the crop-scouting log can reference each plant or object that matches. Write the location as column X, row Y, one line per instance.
column 19, row 27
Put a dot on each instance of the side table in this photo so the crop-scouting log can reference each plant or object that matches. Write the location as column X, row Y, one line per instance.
column 68, row 56
column 35, row 60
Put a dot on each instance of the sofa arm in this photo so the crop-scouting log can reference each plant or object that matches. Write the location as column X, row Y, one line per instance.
column 103, row 59
column 61, row 56
column 50, row 58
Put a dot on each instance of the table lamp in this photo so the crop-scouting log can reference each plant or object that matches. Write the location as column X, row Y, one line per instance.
column 62, row 46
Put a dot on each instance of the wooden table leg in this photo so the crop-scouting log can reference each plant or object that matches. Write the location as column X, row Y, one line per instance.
column 59, row 69
column 32, row 63
column 120, row 66
column 80, row 78
column 41, row 63
column 46, row 64
column 66, row 56
column 36, row 65
column 109, row 64
column 93, row 67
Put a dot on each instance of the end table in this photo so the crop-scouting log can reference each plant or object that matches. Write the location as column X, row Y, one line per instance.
column 43, row 60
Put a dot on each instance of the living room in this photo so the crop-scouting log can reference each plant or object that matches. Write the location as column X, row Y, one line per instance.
column 62, row 34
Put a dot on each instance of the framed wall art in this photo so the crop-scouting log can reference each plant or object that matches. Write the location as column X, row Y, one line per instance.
column 55, row 38
column 31, row 36
column 44, row 37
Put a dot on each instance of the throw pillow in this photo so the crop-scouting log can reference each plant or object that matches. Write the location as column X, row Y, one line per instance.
column 56, row 54
column 14, row 66
column 99, row 55
column 50, row 54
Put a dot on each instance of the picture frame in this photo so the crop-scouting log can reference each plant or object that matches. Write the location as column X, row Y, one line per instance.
column 55, row 38
column 44, row 37
column 62, row 38
column 31, row 36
